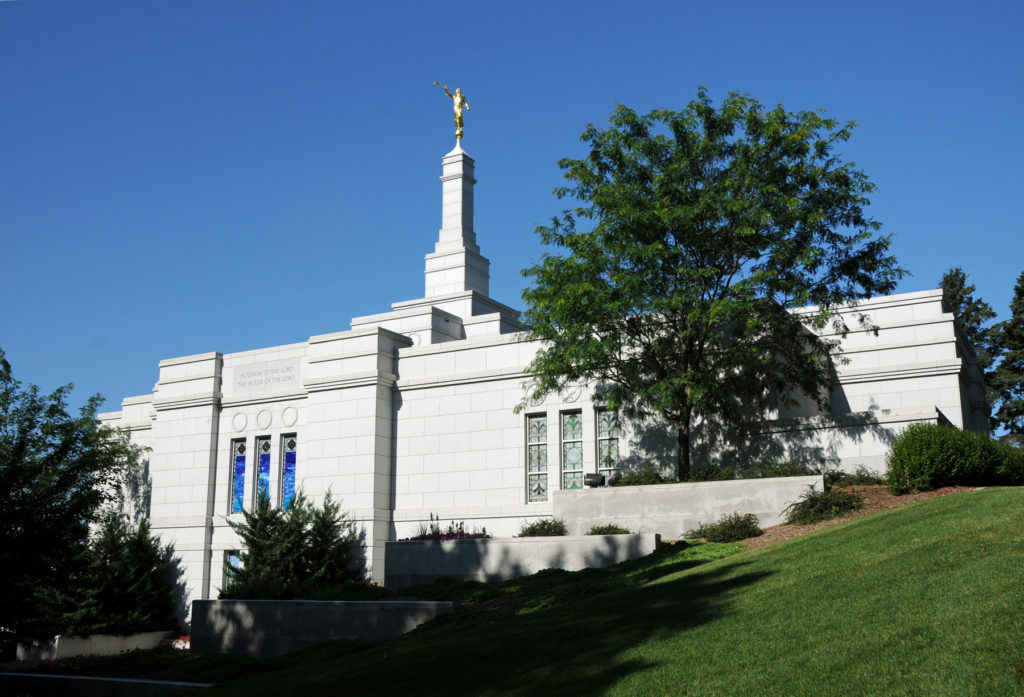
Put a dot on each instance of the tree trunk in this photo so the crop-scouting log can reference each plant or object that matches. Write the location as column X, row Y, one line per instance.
column 683, row 454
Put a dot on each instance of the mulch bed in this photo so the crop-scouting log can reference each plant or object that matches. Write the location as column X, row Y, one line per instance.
column 876, row 498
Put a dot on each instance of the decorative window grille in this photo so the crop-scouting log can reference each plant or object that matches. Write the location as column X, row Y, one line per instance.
column 607, row 442
column 536, row 458
column 263, row 471
column 237, row 475
column 288, row 455
column 572, row 450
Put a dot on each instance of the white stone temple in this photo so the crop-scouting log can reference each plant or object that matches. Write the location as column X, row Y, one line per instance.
column 412, row 412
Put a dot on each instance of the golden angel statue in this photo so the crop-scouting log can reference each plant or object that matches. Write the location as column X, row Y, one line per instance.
column 458, row 103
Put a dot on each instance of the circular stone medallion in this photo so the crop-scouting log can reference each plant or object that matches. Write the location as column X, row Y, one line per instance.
column 289, row 416
column 263, row 419
column 239, row 421
column 572, row 393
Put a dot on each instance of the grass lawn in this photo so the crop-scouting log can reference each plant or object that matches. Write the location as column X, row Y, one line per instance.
column 926, row 599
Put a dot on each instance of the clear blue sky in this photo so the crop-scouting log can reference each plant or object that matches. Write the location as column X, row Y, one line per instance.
column 183, row 176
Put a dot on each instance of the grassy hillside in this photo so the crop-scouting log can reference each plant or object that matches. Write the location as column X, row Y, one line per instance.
column 926, row 599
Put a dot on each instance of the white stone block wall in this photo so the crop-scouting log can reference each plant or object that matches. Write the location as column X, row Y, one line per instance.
column 673, row 509
column 414, row 562
column 400, row 427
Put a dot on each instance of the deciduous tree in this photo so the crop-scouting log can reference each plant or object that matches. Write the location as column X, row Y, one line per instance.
column 56, row 472
column 696, row 235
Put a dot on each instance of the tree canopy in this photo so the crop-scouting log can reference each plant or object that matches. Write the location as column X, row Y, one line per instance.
column 1008, row 378
column 295, row 552
column 696, row 234
column 973, row 314
column 999, row 348
column 56, row 473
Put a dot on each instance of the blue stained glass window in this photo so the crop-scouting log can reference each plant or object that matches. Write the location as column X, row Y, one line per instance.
column 288, row 449
column 263, row 474
column 237, row 475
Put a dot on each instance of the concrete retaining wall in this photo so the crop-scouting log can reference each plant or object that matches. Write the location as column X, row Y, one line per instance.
column 409, row 563
column 275, row 627
column 95, row 645
column 672, row 509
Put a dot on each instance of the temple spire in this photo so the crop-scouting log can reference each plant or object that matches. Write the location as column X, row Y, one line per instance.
column 456, row 265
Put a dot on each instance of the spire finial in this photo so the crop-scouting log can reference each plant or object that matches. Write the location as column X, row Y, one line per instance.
column 458, row 103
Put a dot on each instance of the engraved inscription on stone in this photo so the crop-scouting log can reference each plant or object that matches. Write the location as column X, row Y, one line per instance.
column 271, row 376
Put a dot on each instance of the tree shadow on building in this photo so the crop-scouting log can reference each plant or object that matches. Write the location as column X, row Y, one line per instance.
column 174, row 576
column 799, row 434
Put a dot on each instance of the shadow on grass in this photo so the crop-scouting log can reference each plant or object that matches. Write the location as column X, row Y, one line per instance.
column 653, row 568
column 578, row 640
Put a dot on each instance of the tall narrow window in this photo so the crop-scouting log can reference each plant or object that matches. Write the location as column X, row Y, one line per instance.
column 263, row 471
column 237, row 475
column 536, row 458
column 232, row 563
column 572, row 450
column 288, row 445
column 607, row 442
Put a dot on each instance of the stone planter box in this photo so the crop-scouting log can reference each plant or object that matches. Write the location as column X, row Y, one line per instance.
column 412, row 562
column 275, row 627
column 672, row 509
column 95, row 645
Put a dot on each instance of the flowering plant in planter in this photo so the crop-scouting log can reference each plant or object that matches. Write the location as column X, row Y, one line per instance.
column 182, row 643
column 454, row 531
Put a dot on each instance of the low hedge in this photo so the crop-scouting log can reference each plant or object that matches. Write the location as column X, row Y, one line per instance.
column 608, row 529
column 545, row 527
column 643, row 477
column 730, row 528
column 815, row 506
column 930, row 456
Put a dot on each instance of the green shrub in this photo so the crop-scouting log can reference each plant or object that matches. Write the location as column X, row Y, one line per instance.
column 1010, row 470
column 643, row 477
column 608, row 529
column 547, row 527
column 129, row 584
column 359, row 590
column 815, row 506
column 930, row 456
column 788, row 468
column 729, row 528
column 295, row 553
column 760, row 470
column 862, row 476
column 712, row 473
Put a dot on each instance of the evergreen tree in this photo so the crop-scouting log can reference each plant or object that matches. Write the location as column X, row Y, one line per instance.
column 129, row 585
column 289, row 553
column 330, row 546
column 1008, row 377
column 973, row 314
